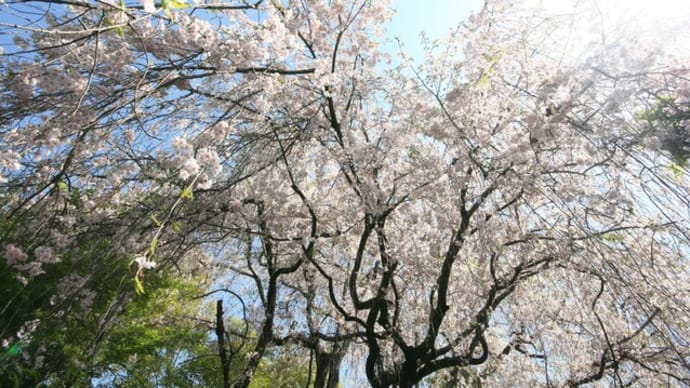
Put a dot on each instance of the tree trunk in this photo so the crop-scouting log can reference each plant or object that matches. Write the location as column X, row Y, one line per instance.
column 328, row 367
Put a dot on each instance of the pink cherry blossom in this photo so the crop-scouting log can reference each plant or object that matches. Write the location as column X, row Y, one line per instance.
column 513, row 206
column 14, row 255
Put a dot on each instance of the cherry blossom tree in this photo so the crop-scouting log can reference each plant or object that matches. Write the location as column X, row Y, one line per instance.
column 514, row 208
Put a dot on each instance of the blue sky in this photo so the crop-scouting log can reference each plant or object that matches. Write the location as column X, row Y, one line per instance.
column 435, row 17
column 664, row 22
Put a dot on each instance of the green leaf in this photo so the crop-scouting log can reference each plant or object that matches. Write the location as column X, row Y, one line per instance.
column 155, row 221
column 62, row 186
column 177, row 4
column 15, row 349
column 152, row 247
column 165, row 5
column 138, row 286
column 677, row 170
column 119, row 30
column 413, row 153
column 175, row 227
column 187, row 193
column 277, row 5
column 483, row 80
column 611, row 238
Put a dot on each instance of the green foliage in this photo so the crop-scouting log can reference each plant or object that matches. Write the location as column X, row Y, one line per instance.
column 121, row 338
column 138, row 286
column 456, row 377
column 154, row 345
column 611, row 237
column 677, row 170
column 668, row 119
column 177, row 4
column 65, row 330
column 174, row 352
column 84, row 317
column 287, row 368
column 82, row 322
column 187, row 193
